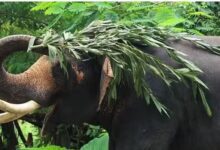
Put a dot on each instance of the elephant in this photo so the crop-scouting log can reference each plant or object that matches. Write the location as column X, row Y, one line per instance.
column 131, row 124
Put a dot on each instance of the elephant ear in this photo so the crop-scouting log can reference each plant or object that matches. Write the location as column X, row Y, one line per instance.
column 106, row 77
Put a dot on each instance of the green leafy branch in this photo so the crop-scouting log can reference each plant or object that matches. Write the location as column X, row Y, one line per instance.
column 120, row 44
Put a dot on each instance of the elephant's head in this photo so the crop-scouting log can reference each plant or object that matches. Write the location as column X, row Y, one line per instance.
column 44, row 83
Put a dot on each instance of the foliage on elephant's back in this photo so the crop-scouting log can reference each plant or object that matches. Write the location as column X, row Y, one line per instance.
column 121, row 45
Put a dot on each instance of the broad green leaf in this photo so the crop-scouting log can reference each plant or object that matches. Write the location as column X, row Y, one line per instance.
column 42, row 6
column 51, row 147
column 172, row 22
column 162, row 14
column 77, row 7
column 99, row 143
column 56, row 8
column 103, row 5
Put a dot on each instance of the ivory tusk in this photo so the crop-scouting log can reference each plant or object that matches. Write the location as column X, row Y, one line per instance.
column 23, row 108
column 8, row 117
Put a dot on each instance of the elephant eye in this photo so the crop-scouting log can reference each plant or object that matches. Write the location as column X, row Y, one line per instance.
column 79, row 73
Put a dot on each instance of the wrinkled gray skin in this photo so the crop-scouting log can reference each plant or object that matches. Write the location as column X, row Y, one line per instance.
column 131, row 124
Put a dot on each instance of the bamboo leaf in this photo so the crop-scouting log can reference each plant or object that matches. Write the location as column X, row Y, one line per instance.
column 31, row 43
column 121, row 44
column 204, row 102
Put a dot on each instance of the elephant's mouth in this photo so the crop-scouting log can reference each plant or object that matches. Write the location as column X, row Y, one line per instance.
column 16, row 111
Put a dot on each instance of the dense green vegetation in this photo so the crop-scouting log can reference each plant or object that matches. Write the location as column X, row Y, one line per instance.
column 201, row 18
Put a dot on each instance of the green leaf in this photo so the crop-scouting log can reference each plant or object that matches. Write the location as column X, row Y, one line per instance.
column 195, row 32
column 190, row 65
column 99, row 143
column 103, row 5
column 163, row 13
column 42, row 6
column 52, row 52
column 135, row 8
column 177, row 29
column 200, row 82
column 160, row 106
column 195, row 90
column 56, row 8
column 77, row 7
column 202, row 14
column 204, row 102
column 50, row 147
column 172, row 22
column 31, row 44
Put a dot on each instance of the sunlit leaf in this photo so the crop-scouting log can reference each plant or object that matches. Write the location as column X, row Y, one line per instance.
column 99, row 143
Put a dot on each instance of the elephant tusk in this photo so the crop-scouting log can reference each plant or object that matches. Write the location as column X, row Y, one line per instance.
column 8, row 117
column 23, row 108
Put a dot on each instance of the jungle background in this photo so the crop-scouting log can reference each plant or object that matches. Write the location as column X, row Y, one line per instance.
column 34, row 18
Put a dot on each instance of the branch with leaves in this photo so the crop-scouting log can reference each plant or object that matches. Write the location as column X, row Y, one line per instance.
column 119, row 44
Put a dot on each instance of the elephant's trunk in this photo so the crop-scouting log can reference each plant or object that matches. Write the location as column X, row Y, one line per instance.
column 36, row 83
